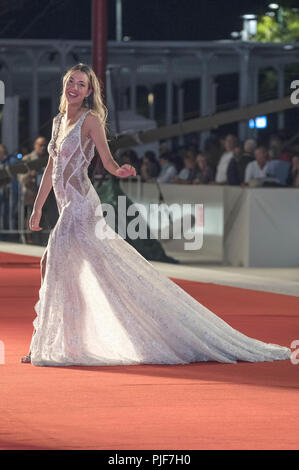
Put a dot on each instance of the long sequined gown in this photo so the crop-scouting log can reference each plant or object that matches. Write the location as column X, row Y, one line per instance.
column 102, row 304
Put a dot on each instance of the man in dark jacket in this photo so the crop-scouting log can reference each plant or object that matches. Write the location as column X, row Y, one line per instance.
column 241, row 158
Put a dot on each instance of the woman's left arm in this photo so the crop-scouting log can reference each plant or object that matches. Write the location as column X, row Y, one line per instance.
column 97, row 132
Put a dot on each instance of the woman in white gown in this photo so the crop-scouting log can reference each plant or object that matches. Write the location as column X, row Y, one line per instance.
column 100, row 302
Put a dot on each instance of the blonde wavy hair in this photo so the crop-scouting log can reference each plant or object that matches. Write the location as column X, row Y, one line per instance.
column 94, row 101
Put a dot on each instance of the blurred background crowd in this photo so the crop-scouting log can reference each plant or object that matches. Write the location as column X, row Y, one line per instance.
column 225, row 161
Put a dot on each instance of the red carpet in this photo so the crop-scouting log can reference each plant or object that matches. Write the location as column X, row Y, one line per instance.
column 195, row 406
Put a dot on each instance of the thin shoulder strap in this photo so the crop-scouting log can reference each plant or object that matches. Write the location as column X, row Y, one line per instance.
column 57, row 124
column 58, row 118
column 83, row 117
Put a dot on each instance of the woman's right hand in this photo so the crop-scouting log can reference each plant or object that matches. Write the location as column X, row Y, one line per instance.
column 125, row 170
column 35, row 219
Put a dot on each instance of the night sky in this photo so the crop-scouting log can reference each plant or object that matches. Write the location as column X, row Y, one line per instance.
column 142, row 19
column 172, row 20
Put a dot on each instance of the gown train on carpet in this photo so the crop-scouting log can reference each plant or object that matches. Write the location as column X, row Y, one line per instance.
column 102, row 303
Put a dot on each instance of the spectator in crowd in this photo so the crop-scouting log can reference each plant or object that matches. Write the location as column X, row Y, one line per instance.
column 39, row 150
column 240, row 160
column 276, row 149
column 180, row 151
column 24, row 150
column 233, row 173
column 258, row 168
column 8, row 191
column 168, row 170
column 150, row 167
column 192, row 149
column 205, row 174
column 278, row 169
column 247, row 156
column 178, row 160
column 3, row 154
column 188, row 173
column 163, row 148
column 213, row 151
column 190, row 152
column 221, row 173
column 295, row 172
column 131, row 157
column 30, row 182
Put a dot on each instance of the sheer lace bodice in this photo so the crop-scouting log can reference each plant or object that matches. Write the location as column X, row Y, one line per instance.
column 102, row 303
column 71, row 160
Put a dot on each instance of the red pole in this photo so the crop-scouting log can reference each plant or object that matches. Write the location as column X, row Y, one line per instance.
column 99, row 41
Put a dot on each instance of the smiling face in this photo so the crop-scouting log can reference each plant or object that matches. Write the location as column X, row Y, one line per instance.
column 77, row 88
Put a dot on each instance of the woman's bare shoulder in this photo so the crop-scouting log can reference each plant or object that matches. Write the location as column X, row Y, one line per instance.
column 93, row 124
column 92, row 119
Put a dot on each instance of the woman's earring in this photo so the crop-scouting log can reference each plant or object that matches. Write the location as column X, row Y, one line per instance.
column 86, row 104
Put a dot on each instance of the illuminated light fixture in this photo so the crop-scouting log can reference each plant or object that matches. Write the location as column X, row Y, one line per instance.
column 150, row 98
column 259, row 122
column 249, row 26
column 249, row 17
column 273, row 6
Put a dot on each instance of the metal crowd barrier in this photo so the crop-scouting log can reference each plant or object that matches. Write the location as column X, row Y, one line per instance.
column 12, row 213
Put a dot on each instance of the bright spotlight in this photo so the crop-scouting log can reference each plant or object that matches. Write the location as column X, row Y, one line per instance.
column 259, row 122
column 273, row 6
column 150, row 98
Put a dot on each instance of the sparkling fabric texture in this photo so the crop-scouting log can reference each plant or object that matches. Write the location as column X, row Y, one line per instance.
column 101, row 303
